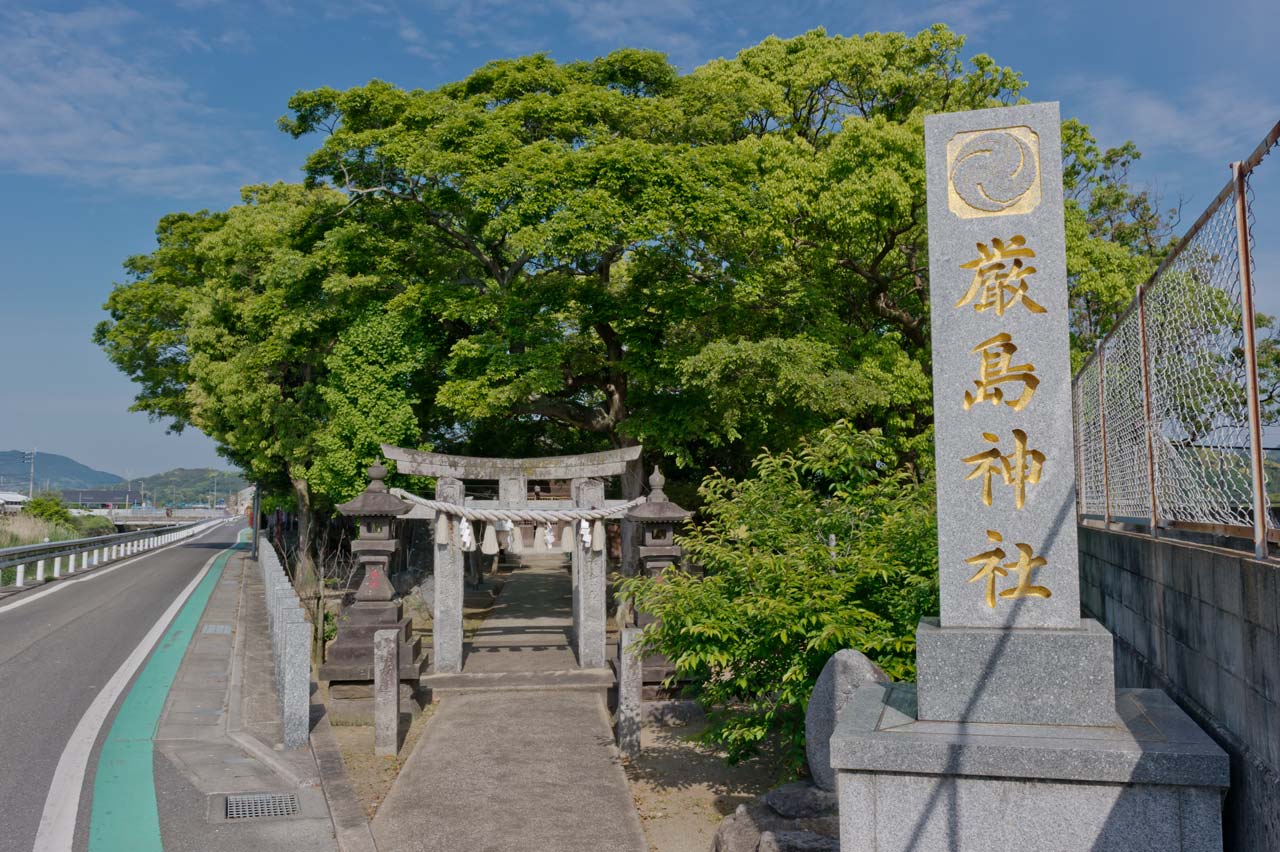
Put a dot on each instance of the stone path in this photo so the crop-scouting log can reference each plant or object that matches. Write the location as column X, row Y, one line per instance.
column 507, row 771
column 528, row 630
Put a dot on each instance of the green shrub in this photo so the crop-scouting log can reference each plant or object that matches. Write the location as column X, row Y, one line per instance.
column 777, row 599
column 87, row 526
column 48, row 506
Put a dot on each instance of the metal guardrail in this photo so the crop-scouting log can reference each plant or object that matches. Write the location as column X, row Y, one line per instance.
column 51, row 560
column 1167, row 412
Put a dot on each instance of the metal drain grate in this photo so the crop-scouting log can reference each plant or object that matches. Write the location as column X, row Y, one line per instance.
column 258, row 805
column 224, row 629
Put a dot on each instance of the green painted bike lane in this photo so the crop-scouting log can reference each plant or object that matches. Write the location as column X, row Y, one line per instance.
column 124, row 815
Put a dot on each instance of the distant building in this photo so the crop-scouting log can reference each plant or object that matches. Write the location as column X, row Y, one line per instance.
column 11, row 502
column 242, row 499
column 100, row 498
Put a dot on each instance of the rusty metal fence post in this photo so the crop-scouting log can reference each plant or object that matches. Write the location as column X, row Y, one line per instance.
column 1146, row 409
column 1078, row 420
column 1260, row 508
column 1100, row 353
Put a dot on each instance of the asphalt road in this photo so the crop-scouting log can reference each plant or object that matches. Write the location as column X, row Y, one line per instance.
column 55, row 655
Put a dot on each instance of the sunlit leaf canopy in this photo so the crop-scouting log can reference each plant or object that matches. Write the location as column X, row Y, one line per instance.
column 547, row 257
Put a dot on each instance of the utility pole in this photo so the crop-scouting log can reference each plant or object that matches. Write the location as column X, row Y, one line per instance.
column 31, row 476
column 256, row 513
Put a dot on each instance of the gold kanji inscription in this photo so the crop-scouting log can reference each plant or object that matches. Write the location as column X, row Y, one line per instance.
column 1000, row 276
column 990, row 566
column 1016, row 468
column 995, row 368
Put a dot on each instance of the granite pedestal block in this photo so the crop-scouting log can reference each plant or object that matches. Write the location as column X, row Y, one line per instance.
column 349, row 661
column 1027, row 676
column 1151, row 782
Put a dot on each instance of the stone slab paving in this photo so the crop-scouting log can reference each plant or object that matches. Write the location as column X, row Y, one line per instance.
column 516, row 770
column 503, row 771
column 529, row 627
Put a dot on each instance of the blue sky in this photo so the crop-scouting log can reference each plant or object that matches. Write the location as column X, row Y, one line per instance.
column 113, row 114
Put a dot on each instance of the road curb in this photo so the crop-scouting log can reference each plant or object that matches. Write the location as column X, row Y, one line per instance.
column 350, row 825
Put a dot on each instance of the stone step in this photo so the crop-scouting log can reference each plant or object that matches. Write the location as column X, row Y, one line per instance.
column 600, row 680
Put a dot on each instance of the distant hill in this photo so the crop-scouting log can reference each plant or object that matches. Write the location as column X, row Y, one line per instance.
column 188, row 485
column 173, row 487
column 52, row 471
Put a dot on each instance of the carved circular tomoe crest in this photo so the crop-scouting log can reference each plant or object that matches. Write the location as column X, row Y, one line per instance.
column 993, row 172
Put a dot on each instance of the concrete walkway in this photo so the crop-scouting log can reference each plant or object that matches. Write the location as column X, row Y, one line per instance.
column 501, row 771
column 220, row 733
column 504, row 771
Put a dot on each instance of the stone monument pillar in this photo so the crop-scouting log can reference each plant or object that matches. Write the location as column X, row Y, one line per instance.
column 349, row 663
column 1013, row 736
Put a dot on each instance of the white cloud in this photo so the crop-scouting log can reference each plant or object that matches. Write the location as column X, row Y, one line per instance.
column 683, row 29
column 1218, row 119
column 78, row 103
column 968, row 17
column 235, row 39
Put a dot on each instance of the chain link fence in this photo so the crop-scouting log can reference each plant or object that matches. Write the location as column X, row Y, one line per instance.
column 1167, row 413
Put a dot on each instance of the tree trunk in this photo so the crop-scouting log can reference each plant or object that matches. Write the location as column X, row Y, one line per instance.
column 306, row 580
column 306, row 567
column 633, row 477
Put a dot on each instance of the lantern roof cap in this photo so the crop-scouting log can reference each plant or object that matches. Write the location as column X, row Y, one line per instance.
column 375, row 501
column 658, row 509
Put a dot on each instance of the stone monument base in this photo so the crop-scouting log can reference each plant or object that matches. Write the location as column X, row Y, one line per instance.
column 1028, row 676
column 1151, row 782
column 348, row 666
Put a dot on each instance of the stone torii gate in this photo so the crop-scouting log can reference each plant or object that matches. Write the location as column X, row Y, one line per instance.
column 586, row 472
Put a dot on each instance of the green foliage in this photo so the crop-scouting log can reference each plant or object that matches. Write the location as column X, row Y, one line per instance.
column 704, row 263
column 752, row 635
column 48, row 506
column 1116, row 234
column 87, row 526
column 556, row 257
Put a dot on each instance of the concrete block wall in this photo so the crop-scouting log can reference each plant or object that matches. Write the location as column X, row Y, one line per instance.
column 1203, row 624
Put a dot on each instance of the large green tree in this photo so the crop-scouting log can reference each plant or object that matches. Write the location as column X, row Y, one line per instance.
column 706, row 263
column 276, row 329
column 550, row 257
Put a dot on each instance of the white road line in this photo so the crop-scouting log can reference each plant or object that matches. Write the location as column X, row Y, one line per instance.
column 23, row 600
column 62, row 805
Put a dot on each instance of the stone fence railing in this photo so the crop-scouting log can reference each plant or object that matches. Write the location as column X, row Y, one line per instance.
column 290, row 646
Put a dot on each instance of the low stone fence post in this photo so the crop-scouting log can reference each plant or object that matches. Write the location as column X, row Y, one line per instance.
column 630, row 688
column 386, row 693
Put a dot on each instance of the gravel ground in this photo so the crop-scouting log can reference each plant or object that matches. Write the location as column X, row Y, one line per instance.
column 372, row 776
column 683, row 790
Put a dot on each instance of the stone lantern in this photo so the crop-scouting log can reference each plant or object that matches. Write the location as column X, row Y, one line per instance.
column 657, row 520
column 349, row 661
